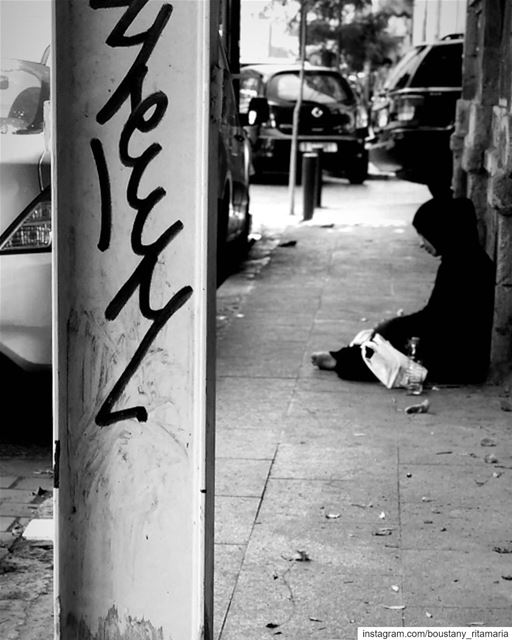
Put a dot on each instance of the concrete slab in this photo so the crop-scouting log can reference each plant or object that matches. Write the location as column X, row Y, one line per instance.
column 457, row 617
column 317, row 462
column 35, row 483
column 228, row 562
column 234, row 519
column 6, row 522
column 293, row 500
column 459, row 528
column 241, row 477
column 18, row 509
column 260, row 402
column 456, row 578
column 16, row 495
column 256, row 444
column 7, row 481
column 302, row 601
column 266, row 366
column 460, row 485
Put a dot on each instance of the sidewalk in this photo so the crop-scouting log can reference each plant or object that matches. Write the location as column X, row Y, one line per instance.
column 335, row 509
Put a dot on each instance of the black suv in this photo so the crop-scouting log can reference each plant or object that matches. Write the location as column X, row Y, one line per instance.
column 330, row 118
column 412, row 119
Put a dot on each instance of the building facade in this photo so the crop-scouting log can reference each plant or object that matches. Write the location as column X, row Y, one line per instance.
column 482, row 147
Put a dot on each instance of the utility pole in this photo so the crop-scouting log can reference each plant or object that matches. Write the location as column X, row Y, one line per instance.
column 133, row 181
column 296, row 110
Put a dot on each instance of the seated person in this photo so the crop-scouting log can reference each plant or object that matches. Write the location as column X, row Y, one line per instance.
column 455, row 326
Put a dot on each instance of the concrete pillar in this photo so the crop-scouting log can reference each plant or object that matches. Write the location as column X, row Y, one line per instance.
column 134, row 317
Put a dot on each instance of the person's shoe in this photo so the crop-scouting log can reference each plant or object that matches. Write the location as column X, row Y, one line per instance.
column 323, row 360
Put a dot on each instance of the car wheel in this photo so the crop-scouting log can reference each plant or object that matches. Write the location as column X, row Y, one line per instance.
column 358, row 172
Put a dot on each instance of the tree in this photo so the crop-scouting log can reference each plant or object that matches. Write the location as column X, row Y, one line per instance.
column 354, row 30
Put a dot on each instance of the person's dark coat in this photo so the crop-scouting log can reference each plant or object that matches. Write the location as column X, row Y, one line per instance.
column 455, row 325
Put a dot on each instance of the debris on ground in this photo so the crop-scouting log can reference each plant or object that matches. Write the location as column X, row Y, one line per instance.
column 394, row 607
column 395, row 588
column 421, row 407
column 383, row 531
column 506, row 405
column 487, row 442
column 502, row 549
column 44, row 472
column 332, row 516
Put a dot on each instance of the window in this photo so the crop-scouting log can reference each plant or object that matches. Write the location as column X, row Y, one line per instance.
column 318, row 87
column 400, row 75
column 441, row 67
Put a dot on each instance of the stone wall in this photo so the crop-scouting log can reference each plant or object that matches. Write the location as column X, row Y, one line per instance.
column 482, row 152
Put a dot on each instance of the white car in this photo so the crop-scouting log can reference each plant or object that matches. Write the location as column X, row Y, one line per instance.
column 25, row 218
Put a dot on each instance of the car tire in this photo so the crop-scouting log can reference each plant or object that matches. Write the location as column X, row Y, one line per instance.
column 358, row 171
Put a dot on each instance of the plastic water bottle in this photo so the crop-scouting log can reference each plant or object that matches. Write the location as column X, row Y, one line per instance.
column 414, row 379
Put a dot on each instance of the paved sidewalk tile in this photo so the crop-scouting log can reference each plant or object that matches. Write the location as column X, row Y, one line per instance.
column 369, row 516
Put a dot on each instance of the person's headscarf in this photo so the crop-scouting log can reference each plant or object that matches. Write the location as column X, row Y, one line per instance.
column 449, row 224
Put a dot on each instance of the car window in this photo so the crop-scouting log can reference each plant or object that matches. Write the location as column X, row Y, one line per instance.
column 441, row 67
column 24, row 87
column 318, row 87
column 400, row 75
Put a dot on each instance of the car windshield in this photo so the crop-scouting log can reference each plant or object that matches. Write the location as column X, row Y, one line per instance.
column 400, row 75
column 441, row 67
column 24, row 86
column 325, row 88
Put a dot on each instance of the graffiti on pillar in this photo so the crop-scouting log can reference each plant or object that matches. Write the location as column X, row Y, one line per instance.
column 146, row 113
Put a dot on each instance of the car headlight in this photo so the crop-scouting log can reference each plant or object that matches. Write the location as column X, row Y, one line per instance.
column 32, row 230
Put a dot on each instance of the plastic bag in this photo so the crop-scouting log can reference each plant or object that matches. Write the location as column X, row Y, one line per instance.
column 389, row 365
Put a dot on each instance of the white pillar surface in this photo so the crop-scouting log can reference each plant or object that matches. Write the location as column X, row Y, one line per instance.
column 133, row 318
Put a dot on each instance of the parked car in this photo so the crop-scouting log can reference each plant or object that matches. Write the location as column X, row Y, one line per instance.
column 25, row 210
column 235, row 166
column 25, row 239
column 25, row 215
column 413, row 117
column 329, row 118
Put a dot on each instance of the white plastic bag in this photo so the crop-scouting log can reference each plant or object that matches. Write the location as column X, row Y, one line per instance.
column 389, row 365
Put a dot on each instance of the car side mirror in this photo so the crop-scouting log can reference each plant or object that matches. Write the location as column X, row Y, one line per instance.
column 257, row 112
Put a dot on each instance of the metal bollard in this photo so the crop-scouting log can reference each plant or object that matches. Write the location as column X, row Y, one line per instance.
column 318, row 179
column 309, row 169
